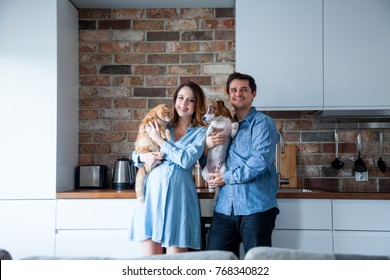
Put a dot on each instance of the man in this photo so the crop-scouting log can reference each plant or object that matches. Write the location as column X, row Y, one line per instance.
column 246, row 208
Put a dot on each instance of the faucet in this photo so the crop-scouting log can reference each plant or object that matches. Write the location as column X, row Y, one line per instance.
column 280, row 150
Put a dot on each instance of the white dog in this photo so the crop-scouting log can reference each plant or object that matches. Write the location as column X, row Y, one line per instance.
column 218, row 116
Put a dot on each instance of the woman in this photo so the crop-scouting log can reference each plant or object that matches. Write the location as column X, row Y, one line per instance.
column 171, row 217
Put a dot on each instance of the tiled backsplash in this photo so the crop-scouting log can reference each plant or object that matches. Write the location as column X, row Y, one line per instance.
column 133, row 59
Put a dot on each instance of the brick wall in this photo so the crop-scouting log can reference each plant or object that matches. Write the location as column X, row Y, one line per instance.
column 133, row 59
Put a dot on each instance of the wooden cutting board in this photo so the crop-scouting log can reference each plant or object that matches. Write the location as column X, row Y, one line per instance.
column 288, row 165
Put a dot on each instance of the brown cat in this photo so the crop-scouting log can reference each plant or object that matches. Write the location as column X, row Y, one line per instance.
column 144, row 144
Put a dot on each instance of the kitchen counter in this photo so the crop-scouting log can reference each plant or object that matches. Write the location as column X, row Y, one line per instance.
column 205, row 193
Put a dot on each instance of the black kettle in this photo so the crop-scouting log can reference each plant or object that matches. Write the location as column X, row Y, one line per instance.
column 124, row 174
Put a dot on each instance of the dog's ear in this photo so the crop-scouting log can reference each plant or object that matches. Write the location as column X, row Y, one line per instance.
column 220, row 105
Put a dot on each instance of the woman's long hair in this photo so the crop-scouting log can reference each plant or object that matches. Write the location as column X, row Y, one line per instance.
column 200, row 106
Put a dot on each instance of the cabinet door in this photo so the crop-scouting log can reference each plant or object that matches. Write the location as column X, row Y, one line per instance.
column 356, row 54
column 279, row 43
column 312, row 214
column 306, row 240
column 361, row 214
column 27, row 227
column 94, row 213
column 362, row 242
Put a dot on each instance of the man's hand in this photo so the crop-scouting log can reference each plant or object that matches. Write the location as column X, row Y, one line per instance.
column 215, row 139
column 215, row 180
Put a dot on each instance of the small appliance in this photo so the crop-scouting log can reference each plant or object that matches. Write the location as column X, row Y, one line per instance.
column 91, row 176
column 124, row 174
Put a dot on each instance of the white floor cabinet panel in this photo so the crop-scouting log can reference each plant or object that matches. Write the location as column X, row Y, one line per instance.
column 361, row 226
column 96, row 243
column 95, row 228
column 27, row 227
column 307, row 240
column 304, row 224
column 362, row 242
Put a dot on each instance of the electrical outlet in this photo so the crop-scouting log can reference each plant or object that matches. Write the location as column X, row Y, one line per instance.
column 361, row 176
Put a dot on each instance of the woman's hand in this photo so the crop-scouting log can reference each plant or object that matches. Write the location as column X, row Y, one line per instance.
column 152, row 159
column 153, row 130
column 215, row 180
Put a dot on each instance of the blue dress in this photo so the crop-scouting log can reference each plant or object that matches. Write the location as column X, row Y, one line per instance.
column 170, row 214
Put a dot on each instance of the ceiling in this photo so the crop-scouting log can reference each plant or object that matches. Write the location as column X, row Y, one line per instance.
column 121, row 4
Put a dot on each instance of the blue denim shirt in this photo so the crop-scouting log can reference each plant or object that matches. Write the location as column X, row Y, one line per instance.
column 251, row 179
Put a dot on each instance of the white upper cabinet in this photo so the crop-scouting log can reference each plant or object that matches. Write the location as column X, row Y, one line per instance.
column 321, row 54
column 39, row 97
column 279, row 43
column 357, row 54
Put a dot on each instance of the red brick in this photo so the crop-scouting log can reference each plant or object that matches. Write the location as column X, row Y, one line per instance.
column 161, row 81
column 181, row 24
column 109, row 137
column 163, row 58
column 161, row 13
column 197, row 13
column 127, row 13
column 183, row 69
column 182, row 47
column 148, row 24
column 228, row 35
column 86, row 159
column 130, row 103
column 163, row 36
column 94, row 81
column 88, row 114
column 217, row 46
column 113, row 24
column 130, row 58
column 85, row 137
column 95, row 58
column 86, row 92
column 126, row 125
column 94, row 36
column 150, row 70
column 149, row 47
column 115, row 47
column 94, row 13
column 95, row 103
column 200, row 80
column 197, row 58
column 127, row 81
column 87, row 69
column 94, row 148
column 87, row 47
column 217, row 24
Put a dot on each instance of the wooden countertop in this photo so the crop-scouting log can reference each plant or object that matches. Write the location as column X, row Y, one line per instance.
column 205, row 193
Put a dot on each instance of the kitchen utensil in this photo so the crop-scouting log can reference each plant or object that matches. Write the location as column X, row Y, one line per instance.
column 359, row 165
column 91, row 176
column 124, row 174
column 381, row 164
column 337, row 164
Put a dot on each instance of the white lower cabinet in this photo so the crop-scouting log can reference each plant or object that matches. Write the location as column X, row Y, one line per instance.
column 361, row 227
column 27, row 227
column 304, row 224
column 95, row 228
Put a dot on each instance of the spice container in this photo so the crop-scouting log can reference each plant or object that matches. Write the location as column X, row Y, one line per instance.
column 197, row 173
